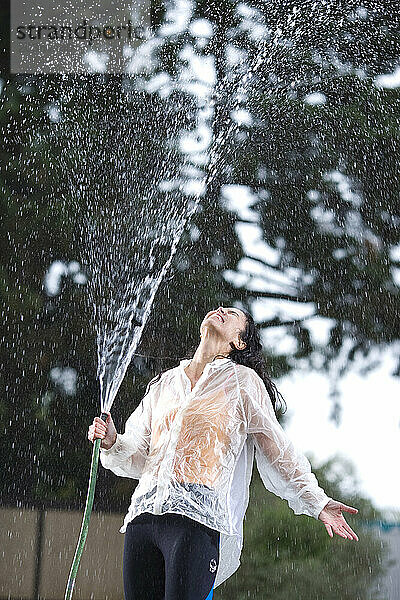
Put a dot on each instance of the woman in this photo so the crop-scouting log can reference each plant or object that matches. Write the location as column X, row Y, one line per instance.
column 191, row 444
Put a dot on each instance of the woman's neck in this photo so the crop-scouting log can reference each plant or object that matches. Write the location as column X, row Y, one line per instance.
column 206, row 351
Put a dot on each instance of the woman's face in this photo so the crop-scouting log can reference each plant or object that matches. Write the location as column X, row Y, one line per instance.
column 228, row 323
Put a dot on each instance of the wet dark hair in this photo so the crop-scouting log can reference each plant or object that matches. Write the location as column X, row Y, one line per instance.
column 251, row 356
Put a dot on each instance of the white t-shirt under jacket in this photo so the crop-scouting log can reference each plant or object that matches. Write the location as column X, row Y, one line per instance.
column 208, row 436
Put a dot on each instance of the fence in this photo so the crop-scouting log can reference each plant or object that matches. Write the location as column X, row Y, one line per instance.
column 37, row 548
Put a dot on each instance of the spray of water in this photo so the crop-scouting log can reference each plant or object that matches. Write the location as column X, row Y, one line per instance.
column 130, row 214
column 136, row 183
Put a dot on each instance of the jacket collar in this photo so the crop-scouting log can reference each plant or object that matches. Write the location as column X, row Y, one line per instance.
column 215, row 364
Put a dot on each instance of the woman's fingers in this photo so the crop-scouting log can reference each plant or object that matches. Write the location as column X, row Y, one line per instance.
column 96, row 431
column 346, row 533
column 339, row 531
column 99, row 428
column 338, row 523
column 342, row 530
column 329, row 529
column 349, row 509
column 350, row 531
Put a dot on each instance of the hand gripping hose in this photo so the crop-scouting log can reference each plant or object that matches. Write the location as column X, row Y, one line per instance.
column 86, row 516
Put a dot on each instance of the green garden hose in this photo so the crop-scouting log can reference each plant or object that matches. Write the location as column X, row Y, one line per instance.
column 86, row 516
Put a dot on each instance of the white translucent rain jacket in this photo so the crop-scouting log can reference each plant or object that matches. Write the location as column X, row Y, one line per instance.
column 178, row 437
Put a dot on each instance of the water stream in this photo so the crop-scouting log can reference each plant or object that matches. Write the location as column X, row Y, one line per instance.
column 129, row 258
column 138, row 173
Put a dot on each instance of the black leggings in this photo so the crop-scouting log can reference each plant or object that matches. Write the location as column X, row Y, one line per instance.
column 169, row 557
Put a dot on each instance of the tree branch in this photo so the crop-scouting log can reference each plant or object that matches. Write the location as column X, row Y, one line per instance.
column 275, row 295
column 275, row 322
column 264, row 263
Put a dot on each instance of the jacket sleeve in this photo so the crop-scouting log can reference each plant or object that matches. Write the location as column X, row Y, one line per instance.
column 127, row 456
column 283, row 470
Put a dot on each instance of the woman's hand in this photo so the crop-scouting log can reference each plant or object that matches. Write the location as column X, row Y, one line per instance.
column 331, row 516
column 104, row 430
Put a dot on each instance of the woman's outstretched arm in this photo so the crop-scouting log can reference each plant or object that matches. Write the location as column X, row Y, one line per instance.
column 283, row 470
